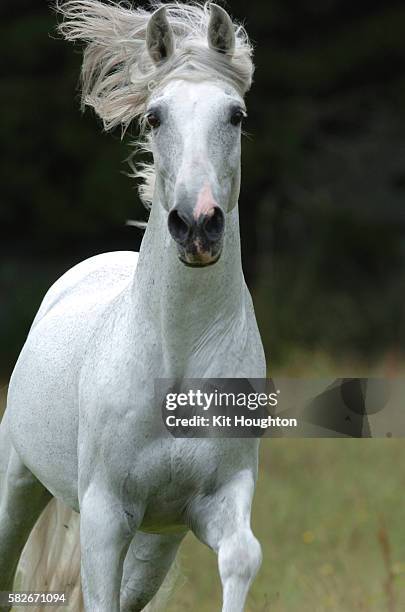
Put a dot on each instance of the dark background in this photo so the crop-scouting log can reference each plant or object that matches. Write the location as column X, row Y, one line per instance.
column 323, row 191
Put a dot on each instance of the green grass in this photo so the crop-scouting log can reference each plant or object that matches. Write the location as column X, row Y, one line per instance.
column 330, row 517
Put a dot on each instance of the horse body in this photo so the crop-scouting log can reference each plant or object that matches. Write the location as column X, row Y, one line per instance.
column 82, row 420
column 100, row 339
column 82, row 396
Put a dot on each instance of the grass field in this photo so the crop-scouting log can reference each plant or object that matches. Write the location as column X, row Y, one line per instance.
column 330, row 517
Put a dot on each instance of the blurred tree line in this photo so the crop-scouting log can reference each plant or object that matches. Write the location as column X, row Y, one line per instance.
column 322, row 202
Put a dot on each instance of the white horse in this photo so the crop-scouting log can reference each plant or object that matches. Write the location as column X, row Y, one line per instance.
column 81, row 417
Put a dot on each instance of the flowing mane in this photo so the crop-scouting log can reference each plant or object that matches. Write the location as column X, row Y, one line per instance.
column 118, row 75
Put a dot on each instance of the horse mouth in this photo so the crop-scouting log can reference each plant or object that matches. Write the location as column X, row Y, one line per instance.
column 199, row 261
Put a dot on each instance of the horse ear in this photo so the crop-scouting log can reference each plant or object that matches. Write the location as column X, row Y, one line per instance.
column 221, row 33
column 159, row 36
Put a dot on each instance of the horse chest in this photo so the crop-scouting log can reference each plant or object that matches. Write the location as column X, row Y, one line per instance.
column 185, row 470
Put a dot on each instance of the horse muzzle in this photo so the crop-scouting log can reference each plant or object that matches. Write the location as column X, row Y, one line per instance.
column 199, row 239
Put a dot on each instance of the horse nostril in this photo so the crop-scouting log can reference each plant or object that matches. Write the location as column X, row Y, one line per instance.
column 214, row 225
column 179, row 228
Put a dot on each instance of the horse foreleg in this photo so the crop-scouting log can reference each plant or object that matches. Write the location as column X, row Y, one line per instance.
column 146, row 565
column 239, row 558
column 105, row 535
column 222, row 521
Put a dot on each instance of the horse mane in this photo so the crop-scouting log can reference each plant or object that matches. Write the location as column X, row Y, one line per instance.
column 118, row 75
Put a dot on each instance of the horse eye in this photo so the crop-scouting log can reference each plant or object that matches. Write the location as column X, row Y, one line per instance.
column 237, row 117
column 153, row 120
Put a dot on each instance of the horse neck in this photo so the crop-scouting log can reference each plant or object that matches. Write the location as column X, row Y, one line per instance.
column 190, row 305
